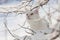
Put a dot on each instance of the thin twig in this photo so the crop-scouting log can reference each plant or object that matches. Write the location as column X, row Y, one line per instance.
column 56, row 37
column 27, row 28
column 20, row 25
column 5, row 24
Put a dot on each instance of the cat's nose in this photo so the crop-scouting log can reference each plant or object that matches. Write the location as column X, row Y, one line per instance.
column 28, row 17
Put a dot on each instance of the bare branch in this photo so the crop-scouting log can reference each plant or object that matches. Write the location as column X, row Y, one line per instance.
column 27, row 28
column 5, row 24
column 55, row 37
column 24, row 4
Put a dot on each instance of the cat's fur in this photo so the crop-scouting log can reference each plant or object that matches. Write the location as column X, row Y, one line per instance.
column 36, row 23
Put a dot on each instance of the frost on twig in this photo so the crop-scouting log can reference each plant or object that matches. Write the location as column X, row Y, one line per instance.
column 12, row 34
column 22, row 4
column 32, row 31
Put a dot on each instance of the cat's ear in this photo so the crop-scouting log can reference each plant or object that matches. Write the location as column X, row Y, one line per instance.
column 36, row 10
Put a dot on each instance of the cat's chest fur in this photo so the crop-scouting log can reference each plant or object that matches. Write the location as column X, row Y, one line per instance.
column 38, row 24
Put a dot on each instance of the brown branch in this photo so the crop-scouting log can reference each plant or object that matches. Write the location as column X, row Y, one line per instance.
column 55, row 37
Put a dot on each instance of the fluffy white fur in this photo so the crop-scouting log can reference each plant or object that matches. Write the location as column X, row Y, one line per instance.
column 36, row 23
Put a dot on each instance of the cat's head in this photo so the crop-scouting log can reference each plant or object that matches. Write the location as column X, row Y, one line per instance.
column 34, row 14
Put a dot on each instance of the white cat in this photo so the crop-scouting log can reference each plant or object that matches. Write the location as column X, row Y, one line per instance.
column 36, row 23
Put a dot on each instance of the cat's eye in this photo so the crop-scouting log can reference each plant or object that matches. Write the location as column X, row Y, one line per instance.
column 31, row 13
